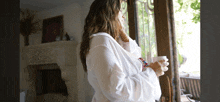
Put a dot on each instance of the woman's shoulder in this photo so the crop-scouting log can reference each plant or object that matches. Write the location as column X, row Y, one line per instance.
column 100, row 42
column 101, row 38
column 101, row 35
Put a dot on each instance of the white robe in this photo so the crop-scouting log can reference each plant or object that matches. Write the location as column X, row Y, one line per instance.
column 116, row 74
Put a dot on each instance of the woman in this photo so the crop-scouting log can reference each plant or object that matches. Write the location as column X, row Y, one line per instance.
column 111, row 58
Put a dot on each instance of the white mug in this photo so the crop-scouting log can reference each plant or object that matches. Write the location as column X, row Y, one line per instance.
column 156, row 59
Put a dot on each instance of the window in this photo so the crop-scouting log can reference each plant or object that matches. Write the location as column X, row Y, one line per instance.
column 146, row 27
column 144, row 20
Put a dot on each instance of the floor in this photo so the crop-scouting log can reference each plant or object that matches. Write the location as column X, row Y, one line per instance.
column 52, row 97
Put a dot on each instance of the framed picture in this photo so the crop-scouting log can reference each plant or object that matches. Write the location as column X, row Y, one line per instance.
column 52, row 27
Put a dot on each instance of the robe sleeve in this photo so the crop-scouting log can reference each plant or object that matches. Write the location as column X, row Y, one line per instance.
column 115, row 85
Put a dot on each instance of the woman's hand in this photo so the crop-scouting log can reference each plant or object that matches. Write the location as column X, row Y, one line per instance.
column 159, row 67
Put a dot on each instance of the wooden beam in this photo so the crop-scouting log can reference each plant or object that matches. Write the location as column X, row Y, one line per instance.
column 177, row 91
column 164, row 46
column 132, row 19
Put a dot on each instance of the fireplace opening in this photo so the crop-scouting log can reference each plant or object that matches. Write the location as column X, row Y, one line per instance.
column 50, row 81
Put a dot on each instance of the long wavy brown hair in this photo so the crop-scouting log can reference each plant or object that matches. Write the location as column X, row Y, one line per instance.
column 102, row 17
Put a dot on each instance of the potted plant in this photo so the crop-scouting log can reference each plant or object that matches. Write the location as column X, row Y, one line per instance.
column 28, row 24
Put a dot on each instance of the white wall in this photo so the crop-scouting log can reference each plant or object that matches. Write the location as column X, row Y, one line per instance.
column 72, row 24
column 74, row 16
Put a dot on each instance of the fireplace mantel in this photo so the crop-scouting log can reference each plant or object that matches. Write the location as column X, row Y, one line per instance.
column 62, row 53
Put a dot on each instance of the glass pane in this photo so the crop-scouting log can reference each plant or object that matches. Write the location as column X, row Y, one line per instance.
column 146, row 29
column 125, row 13
column 187, row 30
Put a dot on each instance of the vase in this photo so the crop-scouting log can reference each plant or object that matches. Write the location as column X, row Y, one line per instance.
column 58, row 38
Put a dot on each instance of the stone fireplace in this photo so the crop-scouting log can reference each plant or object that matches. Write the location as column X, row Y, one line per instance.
column 51, row 69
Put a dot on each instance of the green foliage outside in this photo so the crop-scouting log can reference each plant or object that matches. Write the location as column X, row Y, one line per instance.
column 191, row 8
column 185, row 5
